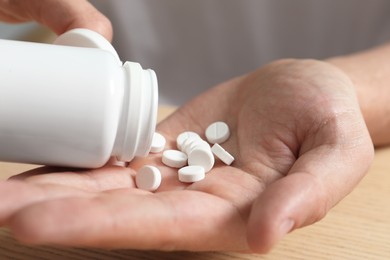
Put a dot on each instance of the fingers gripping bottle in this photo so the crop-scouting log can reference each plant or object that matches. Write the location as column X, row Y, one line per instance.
column 73, row 106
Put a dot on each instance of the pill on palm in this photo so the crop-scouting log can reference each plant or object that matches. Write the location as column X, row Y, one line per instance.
column 192, row 173
column 174, row 158
column 222, row 154
column 198, row 145
column 189, row 142
column 201, row 157
column 183, row 137
column 158, row 143
column 192, row 143
column 217, row 132
column 148, row 178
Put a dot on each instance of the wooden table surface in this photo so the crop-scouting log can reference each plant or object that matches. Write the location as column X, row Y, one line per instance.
column 357, row 228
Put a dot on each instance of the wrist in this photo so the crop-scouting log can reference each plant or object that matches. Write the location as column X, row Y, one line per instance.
column 370, row 73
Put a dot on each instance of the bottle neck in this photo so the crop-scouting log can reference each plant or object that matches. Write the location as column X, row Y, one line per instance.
column 138, row 119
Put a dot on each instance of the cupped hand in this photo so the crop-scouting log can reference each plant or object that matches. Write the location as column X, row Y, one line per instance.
column 59, row 15
column 300, row 145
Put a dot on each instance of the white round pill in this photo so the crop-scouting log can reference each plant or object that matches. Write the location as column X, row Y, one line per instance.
column 199, row 144
column 158, row 143
column 217, row 132
column 192, row 173
column 190, row 143
column 201, row 157
column 174, row 158
column 148, row 178
column 222, row 154
column 184, row 136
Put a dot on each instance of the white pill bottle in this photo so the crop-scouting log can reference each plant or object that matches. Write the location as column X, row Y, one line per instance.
column 73, row 106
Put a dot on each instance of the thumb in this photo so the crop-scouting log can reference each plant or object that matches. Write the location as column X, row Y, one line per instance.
column 317, row 181
column 59, row 15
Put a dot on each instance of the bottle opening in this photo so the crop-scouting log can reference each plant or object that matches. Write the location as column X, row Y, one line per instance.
column 139, row 113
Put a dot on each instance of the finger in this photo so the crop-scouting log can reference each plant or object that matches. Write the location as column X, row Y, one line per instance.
column 59, row 15
column 318, row 180
column 17, row 195
column 176, row 220
column 105, row 178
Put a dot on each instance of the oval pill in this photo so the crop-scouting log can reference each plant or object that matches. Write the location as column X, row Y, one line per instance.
column 192, row 173
column 217, row 132
column 158, row 143
column 222, row 154
column 174, row 158
column 148, row 178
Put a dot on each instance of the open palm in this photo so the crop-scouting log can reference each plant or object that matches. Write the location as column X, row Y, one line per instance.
column 300, row 145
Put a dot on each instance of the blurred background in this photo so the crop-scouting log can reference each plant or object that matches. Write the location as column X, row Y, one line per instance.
column 25, row 32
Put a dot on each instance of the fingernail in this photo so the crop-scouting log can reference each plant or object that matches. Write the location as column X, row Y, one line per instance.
column 286, row 226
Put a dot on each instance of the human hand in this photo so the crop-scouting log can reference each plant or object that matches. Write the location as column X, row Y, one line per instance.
column 59, row 15
column 300, row 145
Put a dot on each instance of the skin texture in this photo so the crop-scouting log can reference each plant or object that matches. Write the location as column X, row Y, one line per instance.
column 369, row 71
column 298, row 135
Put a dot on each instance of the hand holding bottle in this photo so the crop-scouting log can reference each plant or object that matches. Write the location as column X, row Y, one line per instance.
column 300, row 144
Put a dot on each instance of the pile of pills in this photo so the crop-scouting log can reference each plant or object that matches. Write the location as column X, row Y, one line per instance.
column 193, row 159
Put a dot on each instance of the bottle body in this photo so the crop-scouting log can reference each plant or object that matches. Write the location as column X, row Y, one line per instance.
column 61, row 105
